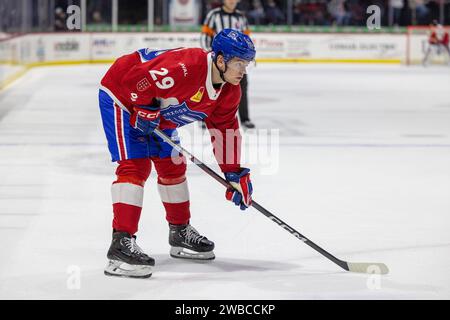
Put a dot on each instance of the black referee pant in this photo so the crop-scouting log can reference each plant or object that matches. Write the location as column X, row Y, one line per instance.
column 243, row 106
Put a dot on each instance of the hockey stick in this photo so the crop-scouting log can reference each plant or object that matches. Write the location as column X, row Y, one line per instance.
column 361, row 267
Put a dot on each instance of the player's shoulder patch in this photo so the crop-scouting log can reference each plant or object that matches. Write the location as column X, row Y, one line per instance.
column 197, row 97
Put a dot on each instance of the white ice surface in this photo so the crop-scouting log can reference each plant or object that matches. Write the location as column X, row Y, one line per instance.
column 363, row 169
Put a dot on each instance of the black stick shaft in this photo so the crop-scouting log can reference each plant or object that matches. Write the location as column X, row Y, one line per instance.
column 255, row 205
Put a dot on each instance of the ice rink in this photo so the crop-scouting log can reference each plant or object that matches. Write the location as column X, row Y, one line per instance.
column 361, row 166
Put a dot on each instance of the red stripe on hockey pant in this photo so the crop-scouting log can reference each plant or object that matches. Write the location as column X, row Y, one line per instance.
column 126, row 217
column 177, row 213
column 120, row 137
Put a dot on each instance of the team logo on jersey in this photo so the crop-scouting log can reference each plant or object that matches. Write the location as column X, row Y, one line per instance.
column 198, row 96
column 180, row 114
column 233, row 35
column 143, row 84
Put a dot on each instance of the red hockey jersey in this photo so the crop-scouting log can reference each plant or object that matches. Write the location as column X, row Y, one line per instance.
column 181, row 81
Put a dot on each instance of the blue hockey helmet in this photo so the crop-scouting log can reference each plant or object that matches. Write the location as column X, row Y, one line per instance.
column 231, row 43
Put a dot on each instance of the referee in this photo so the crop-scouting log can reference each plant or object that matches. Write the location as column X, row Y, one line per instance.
column 221, row 18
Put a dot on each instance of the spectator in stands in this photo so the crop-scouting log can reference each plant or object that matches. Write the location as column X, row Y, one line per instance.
column 303, row 12
column 274, row 15
column 434, row 10
column 337, row 10
column 396, row 7
column 256, row 15
column 421, row 10
column 357, row 12
column 319, row 12
column 60, row 20
column 97, row 17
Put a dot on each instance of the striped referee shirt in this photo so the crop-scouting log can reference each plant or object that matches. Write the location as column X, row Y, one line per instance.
column 216, row 20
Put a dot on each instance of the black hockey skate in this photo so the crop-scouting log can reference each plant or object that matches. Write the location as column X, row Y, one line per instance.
column 126, row 259
column 187, row 243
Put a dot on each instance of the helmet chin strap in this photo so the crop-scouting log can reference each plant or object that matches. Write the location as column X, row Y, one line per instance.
column 220, row 71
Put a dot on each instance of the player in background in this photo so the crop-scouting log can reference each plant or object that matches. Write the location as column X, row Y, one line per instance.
column 438, row 40
column 168, row 89
column 227, row 16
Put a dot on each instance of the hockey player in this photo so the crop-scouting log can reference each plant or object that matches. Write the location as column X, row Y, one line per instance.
column 438, row 40
column 168, row 89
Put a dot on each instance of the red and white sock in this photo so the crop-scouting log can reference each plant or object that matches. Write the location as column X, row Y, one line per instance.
column 127, row 201
column 175, row 198
column 128, row 193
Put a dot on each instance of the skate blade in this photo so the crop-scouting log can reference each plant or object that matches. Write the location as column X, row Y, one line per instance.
column 121, row 269
column 183, row 253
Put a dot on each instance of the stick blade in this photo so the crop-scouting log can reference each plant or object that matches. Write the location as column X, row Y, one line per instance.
column 367, row 267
